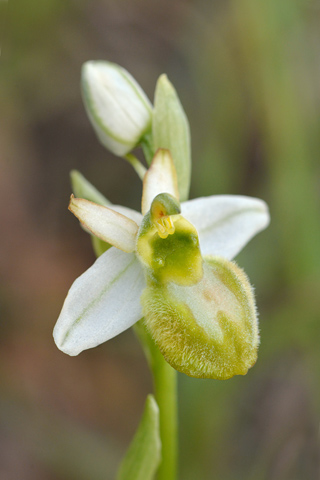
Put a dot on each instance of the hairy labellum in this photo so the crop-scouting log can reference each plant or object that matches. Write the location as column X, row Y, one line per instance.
column 209, row 329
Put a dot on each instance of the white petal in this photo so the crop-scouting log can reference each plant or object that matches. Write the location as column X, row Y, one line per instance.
column 102, row 303
column 226, row 223
column 105, row 223
column 127, row 212
column 161, row 177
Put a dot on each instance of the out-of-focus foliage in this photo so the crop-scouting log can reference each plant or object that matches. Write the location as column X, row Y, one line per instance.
column 247, row 74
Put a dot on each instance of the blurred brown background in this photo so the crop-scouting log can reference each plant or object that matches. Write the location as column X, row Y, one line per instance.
column 248, row 75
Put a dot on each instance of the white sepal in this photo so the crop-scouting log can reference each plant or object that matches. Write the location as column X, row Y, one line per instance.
column 161, row 177
column 127, row 212
column 105, row 223
column 103, row 302
column 118, row 109
column 226, row 223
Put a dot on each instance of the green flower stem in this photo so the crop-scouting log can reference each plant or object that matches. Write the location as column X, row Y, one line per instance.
column 165, row 386
column 137, row 165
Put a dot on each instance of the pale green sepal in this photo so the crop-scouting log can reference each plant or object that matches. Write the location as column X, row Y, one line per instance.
column 82, row 188
column 170, row 129
column 144, row 454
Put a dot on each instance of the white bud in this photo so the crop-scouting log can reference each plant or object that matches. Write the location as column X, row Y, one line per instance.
column 118, row 109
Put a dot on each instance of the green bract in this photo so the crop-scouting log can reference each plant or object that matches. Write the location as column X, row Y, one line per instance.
column 144, row 454
column 170, row 129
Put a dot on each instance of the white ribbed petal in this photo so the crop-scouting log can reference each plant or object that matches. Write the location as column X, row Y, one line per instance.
column 226, row 223
column 119, row 110
column 161, row 177
column 103, row 302
column 105, row 223
column 127, row 212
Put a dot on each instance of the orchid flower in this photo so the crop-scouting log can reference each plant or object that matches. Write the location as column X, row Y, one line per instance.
column 170, row 264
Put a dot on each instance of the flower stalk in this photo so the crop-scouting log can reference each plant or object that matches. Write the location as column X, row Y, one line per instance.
column 165, row 386
column 136, row 164
column 166, row 394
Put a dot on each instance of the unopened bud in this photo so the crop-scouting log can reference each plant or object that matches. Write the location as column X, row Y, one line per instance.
column 118, row 109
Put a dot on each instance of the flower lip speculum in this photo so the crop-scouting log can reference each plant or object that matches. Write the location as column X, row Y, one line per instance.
column 168, row 245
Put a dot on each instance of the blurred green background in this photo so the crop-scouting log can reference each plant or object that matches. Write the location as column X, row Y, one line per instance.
column 248, row 75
